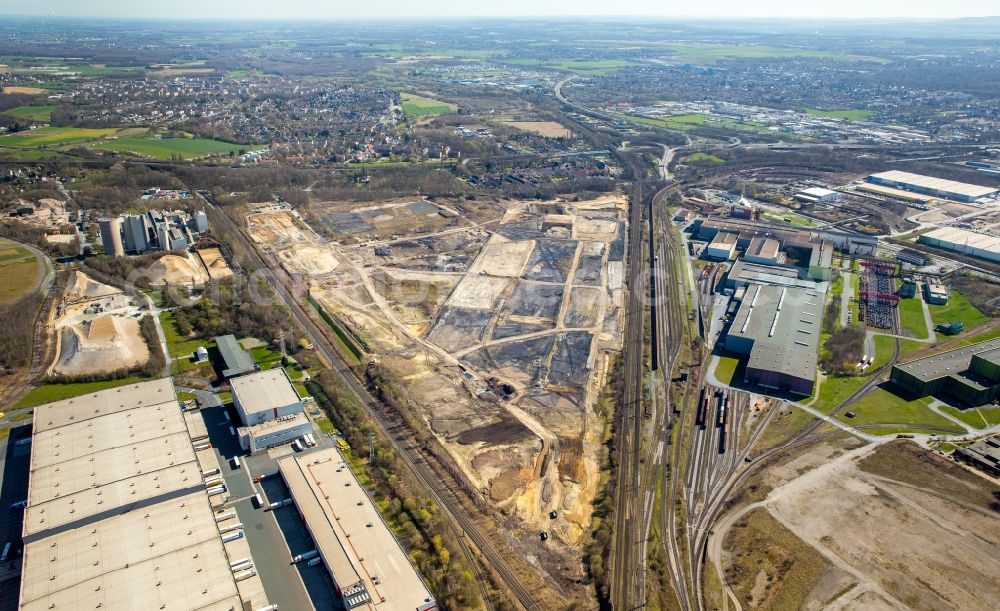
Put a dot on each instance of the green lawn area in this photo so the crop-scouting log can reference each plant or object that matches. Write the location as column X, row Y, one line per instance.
column 36, row 113
column 185, row 396
column 181, row 348
column 701, row 157
column 911, row 315
column 958, row 309
column 266, row 357
column 415, row 106
column 55, row 136
column 853, row 304
column 980, row 337
column 836, row 389
column 325, row 425
column 885, row 407
column 154, row 147
column 726, row 368
column 56, row 392
column 849, row 115
column 976, row 417
column 692, row 121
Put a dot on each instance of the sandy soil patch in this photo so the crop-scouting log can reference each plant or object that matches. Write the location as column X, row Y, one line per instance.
column 926, row 550
column 502, row 257
column 24, row 90
column 215, row 263
column 276, row 228
column 176, row 270
column 82, row 286
column 60, row 238
column 308, row 260
column 598, row 230
column 547, row 129
column 103, row 344
column 477, row 292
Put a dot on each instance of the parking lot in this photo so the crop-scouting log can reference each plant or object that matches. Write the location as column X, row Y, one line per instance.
column 274, row 536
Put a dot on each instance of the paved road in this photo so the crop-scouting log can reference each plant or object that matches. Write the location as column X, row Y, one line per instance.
column 279, row 577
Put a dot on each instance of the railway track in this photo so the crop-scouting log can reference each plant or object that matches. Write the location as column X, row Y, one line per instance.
column 463, row 526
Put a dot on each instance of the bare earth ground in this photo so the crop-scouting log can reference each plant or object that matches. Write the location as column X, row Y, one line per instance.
column 548, row 129
column 215, row 263
column 175, row 270
column 98, row 330
column 496, row 318
column 896, row 526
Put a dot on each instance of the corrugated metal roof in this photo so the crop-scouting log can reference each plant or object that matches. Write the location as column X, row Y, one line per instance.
column 237, row 360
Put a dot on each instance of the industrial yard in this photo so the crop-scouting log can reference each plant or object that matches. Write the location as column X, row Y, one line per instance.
column 499, row 315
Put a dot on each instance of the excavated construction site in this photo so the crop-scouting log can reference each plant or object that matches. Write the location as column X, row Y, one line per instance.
column 98, row 329
column 499, row 316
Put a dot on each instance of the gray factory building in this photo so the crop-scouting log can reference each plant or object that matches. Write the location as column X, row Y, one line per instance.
column 778, row 328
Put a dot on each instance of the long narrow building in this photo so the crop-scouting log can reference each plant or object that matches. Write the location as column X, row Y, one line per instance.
column 369, row 568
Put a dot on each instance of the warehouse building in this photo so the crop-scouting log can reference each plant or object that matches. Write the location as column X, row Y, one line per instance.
column 265, row 395
column 744, row 273
column 814, row 195
column 271, row 433
column 936, row 294
column 983, row 454
column 722, row 246
column 853, row 243
column 236, row 361
column 370, row 569
column 764, row 250
column 970, row 374
column 935, row 187
column 118, row 516
column 964, row 241
column 779, row 329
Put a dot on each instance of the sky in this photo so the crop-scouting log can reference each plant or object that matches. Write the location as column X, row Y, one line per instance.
column 387, row 9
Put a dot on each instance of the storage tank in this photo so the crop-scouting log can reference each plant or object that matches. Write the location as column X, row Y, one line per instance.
column 201, row 221
column 111, row 237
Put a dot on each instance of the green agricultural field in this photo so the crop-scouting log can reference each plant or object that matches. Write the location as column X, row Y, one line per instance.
column 415, row 106
column 576, row 66
column 692, row 121
column 911, row 315
column 704, row 54
column 36, row 113
column 958, row 309
column 54, row 136
column 149, row 145
column 18, row 271
column 849, row 115
column 56, row 392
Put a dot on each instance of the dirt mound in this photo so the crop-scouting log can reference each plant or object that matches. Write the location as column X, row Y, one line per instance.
column 175, row 270
column 108, row 343
column 82, row 286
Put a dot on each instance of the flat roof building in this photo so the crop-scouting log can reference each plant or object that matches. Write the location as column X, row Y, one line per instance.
column 779, row 328
column 744, row 273
column 271, row 433
column 937, row 294
column 817, row 194
column 763, row 250
column 929, row 185
column 237, row 361
column 970, row 374
column 983, row 454
column 118, row 516
column 722, row 246
column 854, row 243
column 370, row 569
column 967, row 242
column 265, row 395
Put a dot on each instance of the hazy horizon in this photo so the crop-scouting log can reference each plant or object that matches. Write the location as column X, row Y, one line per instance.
column 437, row 9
